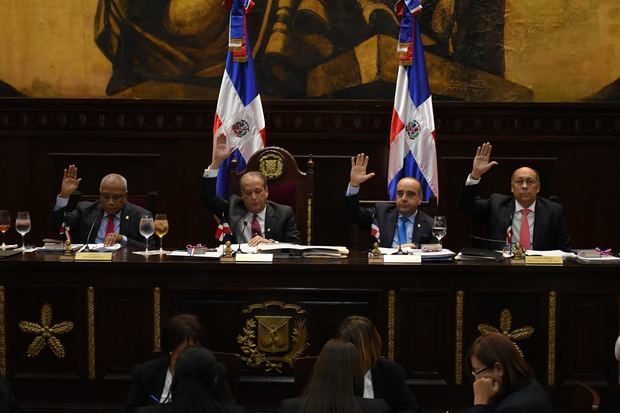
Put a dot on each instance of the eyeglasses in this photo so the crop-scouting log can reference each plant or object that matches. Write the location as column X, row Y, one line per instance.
column 476, row 372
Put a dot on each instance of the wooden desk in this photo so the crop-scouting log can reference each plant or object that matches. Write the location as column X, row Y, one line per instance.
column 427, row 316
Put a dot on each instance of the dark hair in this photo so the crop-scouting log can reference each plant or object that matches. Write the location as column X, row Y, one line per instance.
column 199, row 384
column 362, row 333
column 180, row 328
column 497, row 348
column 337, row 378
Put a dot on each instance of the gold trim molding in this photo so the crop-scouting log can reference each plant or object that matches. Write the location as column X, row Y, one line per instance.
column 156, row 319
column 552, row 338
column 458, row 350
column 309, row 221
column 391, row 325
column 90, row 298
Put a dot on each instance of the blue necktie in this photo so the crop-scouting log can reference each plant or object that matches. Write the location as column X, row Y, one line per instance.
column 402, row 230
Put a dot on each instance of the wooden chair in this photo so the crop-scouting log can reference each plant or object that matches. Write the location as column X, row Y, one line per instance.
column 302, row 372
column 287, row 184
column 150, row 200
column 585, row 398
column 232, row 361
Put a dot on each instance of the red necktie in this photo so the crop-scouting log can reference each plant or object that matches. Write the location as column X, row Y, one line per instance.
column 256, row 227
column 109, row 229
column 524, row 233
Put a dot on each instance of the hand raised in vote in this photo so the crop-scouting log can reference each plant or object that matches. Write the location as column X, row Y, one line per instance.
column 358, row 170
column 482, row 160
column 70, row 181
column 221, row 151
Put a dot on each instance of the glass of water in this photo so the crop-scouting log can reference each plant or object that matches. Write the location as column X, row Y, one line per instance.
column 147, row 229
column 440, row 227
column 22, row 225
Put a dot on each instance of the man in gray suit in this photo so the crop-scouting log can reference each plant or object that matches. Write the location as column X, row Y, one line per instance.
column 252, row 217
column 118, row 220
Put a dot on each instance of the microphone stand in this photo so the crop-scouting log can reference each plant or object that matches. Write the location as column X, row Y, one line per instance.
column 87, row 248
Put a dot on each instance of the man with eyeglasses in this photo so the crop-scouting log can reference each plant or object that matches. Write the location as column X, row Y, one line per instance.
column 534, row 222
column 109, row 220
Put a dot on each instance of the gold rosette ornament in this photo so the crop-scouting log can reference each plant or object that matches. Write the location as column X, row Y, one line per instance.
column 46, row 333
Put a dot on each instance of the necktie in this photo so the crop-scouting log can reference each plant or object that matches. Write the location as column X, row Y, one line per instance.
column 524, row 232
column 402, row 231
column 109, row 229
column 256, row 227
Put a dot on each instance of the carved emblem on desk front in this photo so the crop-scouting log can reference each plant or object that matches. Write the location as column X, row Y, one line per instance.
column 274, row 334
column 505, row 327
column 46, row 333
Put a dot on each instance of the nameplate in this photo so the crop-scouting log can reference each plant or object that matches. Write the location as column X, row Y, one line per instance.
column 402, row 259
column 93, row 256
column 254, row 257
column 540, row 260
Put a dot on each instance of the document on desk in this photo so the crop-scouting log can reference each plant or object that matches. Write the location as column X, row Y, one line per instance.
column 443, row 255
column 284, row 250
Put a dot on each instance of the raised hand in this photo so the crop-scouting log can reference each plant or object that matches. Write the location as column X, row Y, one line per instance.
column 358, row 170
column 221, row 151
column 481, row 161
column 70, row 181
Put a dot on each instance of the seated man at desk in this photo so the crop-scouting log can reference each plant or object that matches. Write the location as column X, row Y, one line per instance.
column 534, row 222
column 252, row 217
column 118, row 220
column 401, row 223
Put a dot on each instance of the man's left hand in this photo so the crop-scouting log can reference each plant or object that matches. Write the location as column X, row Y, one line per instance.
column 111, row 239
column 259, row 240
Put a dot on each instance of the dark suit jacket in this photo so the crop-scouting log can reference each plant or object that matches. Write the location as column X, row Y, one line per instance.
column 530, row 398
column 81, row 219
column 387, row 219
column 279, row 219
column 497, row 211
column 367, row 405
column 168, row 408
column 148, row 380
column 388, row 383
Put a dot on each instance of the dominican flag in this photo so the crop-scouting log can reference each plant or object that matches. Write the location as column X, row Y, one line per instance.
column 223, row 230
column 374, row 232
column 64, row 229
column 412, row 134
column 239, row 113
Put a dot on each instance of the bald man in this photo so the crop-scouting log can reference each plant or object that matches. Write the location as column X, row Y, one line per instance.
column 534, row 222
column 112, row 219
column 401, row 223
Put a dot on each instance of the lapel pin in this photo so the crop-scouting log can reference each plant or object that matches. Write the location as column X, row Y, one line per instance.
column 126, row 217
column 268, row 229
column 418, row 225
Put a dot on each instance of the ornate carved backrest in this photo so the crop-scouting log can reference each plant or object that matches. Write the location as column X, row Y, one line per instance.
column 287, row 184
column 149, row 201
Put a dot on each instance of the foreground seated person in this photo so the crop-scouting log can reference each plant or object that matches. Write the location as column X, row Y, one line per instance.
column 534, row 222
column 384, row 379
column 252, row 218
column 112, row 219
column 151, row 381
column 400, row 224
column 337, row 384
column 200, row 385
column 503, row 381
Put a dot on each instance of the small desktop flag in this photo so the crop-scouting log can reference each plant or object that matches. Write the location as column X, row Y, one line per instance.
column 412, row 133
column 239, row 113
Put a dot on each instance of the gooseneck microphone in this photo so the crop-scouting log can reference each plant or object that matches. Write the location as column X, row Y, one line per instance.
column 90, row 232
column 245, row 224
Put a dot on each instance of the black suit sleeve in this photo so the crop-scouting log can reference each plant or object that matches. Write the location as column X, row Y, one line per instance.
column 208, row 194
column 388, row 379
column 356, row 214
column 71, row 218
column 137, row 393
column 561, row 233
column 478, row 209
column 290, row 232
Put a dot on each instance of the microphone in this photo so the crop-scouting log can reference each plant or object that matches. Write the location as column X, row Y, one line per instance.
column 400, row 243
column 245, row 224
column 90, row 232
column 498, row 241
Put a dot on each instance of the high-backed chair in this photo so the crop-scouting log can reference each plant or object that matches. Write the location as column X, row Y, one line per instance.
column 148, row 200
column 286, row 183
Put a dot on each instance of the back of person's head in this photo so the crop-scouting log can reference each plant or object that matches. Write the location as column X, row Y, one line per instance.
column 200, row 384
column 497, row 348
column 182, row 328
column 362, row 333
column 337, row 378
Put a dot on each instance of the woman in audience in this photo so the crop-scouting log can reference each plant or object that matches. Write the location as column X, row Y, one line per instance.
column 503, row 381
column 151, row 381
column 383, row 379
column 199, row 386
column 336, row 384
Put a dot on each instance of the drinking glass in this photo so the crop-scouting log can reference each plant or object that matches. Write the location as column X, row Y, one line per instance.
column 147, row 229
column 161, row 229
column 22, row 225
column 5, row 224
column 440, row 227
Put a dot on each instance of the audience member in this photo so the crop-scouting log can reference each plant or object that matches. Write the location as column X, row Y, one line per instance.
column 383, row 379
column 503, row 381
